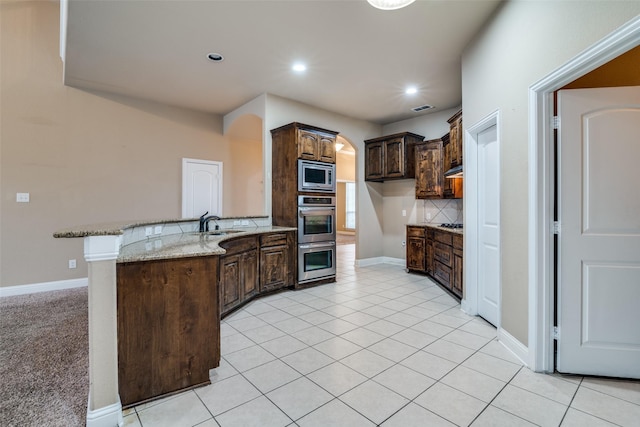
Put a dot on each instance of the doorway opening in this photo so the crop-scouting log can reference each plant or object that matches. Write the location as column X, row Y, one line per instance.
column 346, row 190
column 542, row 181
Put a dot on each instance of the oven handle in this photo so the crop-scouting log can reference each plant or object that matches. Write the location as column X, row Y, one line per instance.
column 317, row 245
column 316, row 211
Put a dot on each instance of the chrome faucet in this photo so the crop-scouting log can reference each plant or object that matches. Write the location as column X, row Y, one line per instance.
column 204, row 221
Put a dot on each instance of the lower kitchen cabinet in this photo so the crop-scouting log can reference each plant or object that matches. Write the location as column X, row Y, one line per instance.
column 238, row 279
column 277, row 261
column 168, row 326
column 416, row 252
column 437, row 253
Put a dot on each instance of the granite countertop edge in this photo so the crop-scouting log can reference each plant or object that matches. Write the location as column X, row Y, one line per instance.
column 437, row 227
column 117, row 228
column 187, row 244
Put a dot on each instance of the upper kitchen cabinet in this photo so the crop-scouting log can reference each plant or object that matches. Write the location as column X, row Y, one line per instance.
column 429, row 175
column 390, row 157
column 451, row 187
column 316, row 145
column 305, row 142
column 455, row 136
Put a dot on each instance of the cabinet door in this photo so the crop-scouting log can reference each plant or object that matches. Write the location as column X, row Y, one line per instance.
column 453, row 147
column 307, row 145
column 416, row 253
column 326, row 149
column 273, row 268
column 429, row 252
column 249, row 276
column 442, row 273
column 230, row 291
column 459, row 141
column 456, row 285
column 393, row 158
column 429, row 171
column 447, row 184
column 373, row 163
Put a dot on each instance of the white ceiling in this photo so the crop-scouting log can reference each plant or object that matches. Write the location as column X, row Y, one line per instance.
column 359, row 59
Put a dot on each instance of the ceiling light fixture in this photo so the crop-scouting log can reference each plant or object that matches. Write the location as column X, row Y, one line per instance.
column 215, row 57
column 411, row 90
column 390, row 4
column 299, row 67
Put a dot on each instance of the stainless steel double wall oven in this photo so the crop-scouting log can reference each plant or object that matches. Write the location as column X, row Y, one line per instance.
column 317, row 230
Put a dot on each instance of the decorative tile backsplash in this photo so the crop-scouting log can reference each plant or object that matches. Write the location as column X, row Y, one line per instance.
column 442, row 211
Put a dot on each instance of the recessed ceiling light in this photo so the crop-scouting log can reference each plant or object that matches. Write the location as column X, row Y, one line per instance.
column 215, row 57
column 411, row 90
column 299, row 67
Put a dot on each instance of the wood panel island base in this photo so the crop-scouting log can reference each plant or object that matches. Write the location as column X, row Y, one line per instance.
column 155, row 302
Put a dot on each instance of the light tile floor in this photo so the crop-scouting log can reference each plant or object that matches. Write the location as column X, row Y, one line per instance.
column 379, row 347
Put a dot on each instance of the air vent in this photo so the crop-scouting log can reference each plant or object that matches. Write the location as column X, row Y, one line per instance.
column 422, row 108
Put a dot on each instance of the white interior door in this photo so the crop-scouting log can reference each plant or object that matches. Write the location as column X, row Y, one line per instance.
column 201, row 188
column 599, row 240
column 489, row 225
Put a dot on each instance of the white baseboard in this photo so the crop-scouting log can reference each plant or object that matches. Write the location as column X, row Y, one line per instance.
column 10, row 291
column 514, row 346
column 366, row 262
column 108, row 416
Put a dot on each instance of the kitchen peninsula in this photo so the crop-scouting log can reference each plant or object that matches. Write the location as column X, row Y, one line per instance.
column 157, row 291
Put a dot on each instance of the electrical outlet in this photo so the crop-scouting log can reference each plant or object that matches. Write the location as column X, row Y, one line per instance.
column 404, row 212
column 72, row 263
column 148, row 231
column 236, row 222
column 157, row 229
column 245, row 222
column 428, row 216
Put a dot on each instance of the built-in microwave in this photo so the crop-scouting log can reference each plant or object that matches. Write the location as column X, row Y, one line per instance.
column 316, row 176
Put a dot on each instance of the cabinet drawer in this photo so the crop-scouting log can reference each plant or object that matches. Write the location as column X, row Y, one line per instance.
column 457, row 241
column 444, row 237
column 238, row 245
column 415, row 232
column 275, row 239
column 442, row 273
column 443, row 253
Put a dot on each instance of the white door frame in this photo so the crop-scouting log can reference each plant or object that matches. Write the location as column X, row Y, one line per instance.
column 471, row 212
column 541, row 182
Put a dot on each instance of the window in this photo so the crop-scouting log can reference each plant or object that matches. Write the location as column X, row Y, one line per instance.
column 350, row 205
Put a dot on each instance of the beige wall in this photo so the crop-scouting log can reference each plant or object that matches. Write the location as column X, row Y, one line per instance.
column 524, row 42
column 83, row 157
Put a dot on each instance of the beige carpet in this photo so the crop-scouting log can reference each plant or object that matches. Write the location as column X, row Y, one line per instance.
column 44, row 359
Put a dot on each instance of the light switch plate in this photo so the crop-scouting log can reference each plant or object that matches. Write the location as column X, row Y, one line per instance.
column 157, row 229
column 22, row 197
column 148, row 231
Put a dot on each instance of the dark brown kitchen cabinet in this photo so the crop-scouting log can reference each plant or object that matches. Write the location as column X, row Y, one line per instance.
column 168, row 333
column 391, row 157
column 437, row 253
column 451, row 187
column 300, row 141
column 429, row 175
column 315, row 145
column 289, row 144
column 238, row 275
column 455, row 134
column 277, row 261
column 456, row 283
column 416, row 249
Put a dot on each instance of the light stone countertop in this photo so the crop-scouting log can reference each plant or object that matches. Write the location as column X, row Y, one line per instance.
column 438, row 227
column 183, row 245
